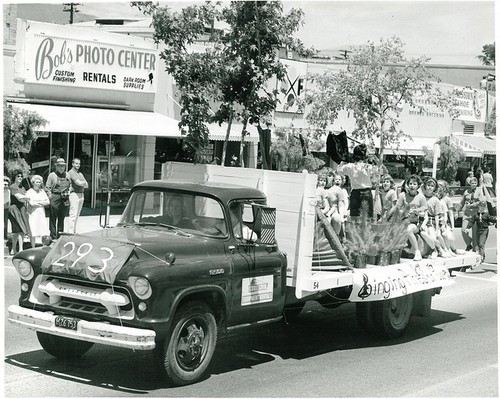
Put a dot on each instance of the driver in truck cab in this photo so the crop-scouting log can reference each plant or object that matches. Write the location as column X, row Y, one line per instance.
column 240, row 230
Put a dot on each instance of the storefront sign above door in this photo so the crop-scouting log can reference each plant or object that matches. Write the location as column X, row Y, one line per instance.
column 61, row 55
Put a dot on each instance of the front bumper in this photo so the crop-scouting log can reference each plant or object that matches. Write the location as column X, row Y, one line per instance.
column 97, row 332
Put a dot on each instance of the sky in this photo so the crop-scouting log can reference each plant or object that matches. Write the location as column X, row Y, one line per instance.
column 450, row 32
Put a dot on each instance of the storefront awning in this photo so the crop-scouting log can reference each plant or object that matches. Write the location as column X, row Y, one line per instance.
column 218, row 133
column 478, row 145
column 103, row 121
column 413, row 146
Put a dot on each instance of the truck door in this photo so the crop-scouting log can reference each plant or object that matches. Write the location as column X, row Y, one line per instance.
column 259, row 274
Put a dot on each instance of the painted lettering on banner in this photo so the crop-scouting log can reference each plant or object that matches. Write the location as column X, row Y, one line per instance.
column 393, row 281
column 95, row 259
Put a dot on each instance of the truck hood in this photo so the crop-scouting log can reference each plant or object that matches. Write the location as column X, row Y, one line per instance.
column 100, row 255
column 156, row 240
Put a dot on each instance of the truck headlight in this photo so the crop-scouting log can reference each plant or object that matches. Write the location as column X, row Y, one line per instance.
column 141, row 287
column 24, row 268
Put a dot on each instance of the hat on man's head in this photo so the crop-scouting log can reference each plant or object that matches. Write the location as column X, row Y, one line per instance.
column 60, row 161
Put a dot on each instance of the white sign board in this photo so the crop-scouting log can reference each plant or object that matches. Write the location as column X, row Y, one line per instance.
column 256, row 290
column 380, row 283
column 292, row 87
column 69, row 56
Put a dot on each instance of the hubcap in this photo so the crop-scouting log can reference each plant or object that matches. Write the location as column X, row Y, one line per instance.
column 398, row 310
column 190, row 346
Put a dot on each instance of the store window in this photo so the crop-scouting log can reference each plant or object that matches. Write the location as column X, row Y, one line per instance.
column 39, row 156
column 117, row 162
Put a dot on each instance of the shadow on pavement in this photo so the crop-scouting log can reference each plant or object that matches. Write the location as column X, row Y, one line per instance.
column 316, row 331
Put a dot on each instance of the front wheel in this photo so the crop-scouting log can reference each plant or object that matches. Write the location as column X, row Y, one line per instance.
column 391, row 317
column 188, row 352
column 63, row 348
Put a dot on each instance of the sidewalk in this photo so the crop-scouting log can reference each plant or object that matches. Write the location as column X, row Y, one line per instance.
column 84, row 225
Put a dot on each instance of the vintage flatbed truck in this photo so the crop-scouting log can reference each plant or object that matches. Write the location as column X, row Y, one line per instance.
column 182, row 266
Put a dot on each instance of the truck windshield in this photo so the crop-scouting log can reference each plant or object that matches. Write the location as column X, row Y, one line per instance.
column 178, row 211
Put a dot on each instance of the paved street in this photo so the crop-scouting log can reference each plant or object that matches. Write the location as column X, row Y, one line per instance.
column 324, row 354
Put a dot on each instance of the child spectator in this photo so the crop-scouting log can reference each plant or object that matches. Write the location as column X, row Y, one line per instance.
column 470, row 207
column 430, row 231
column 322, row 195
column 389, row 197
column 338, row 204
column 412, row 206
column 448, row 220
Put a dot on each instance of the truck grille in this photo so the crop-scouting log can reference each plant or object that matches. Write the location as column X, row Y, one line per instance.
column 82, row 297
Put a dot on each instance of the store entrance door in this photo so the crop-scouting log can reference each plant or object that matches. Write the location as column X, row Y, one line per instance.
column 82, row 146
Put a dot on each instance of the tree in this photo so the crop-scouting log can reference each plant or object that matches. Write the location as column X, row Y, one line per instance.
column 488, row 56
column 288, row 153
column 449, row 160
column 235, row 72
column 19, row 131
column 377, row 81
column 195, row 73
column 257, row 30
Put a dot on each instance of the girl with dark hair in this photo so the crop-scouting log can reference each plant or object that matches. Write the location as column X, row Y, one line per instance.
column 389, row 197
column 360, row 173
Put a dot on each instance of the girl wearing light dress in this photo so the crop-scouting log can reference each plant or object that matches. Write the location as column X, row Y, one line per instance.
column 37, row 201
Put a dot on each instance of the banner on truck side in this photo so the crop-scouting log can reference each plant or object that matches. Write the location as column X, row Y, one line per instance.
column 386, row 282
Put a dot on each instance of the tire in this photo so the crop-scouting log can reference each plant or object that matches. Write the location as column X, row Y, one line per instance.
column 291, row 312
column 391, row 317
column 188, row 352
column 63, row 348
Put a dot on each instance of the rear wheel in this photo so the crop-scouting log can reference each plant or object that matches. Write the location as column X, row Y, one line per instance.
column 291, row 312
column 364, row 316
column 188, row 352
column 63, row 348
column 391, row 317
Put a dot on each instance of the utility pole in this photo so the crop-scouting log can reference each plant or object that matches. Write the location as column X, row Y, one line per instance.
column 71, row 8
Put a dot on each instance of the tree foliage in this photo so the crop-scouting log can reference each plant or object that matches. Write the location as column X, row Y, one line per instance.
column 19, row 131
column 194, row 73
column 449, row 160
column 234, row 73
column 287, row 153
column 373, row 87
column 257, row 30
column 488, row 54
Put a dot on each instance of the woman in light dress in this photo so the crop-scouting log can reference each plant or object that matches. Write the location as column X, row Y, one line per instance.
column 37, row 201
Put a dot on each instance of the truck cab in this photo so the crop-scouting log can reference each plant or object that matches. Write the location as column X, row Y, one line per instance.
column 185, row 260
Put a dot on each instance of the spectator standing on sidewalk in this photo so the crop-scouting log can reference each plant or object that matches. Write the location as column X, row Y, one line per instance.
column 58, row 185
column 488, row 182
column 6, row 205
column 18, row 214
column 78, row 185
column 470, row 207
column 37, row 201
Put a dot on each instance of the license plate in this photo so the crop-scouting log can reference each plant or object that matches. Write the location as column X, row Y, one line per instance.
column 70, row 323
